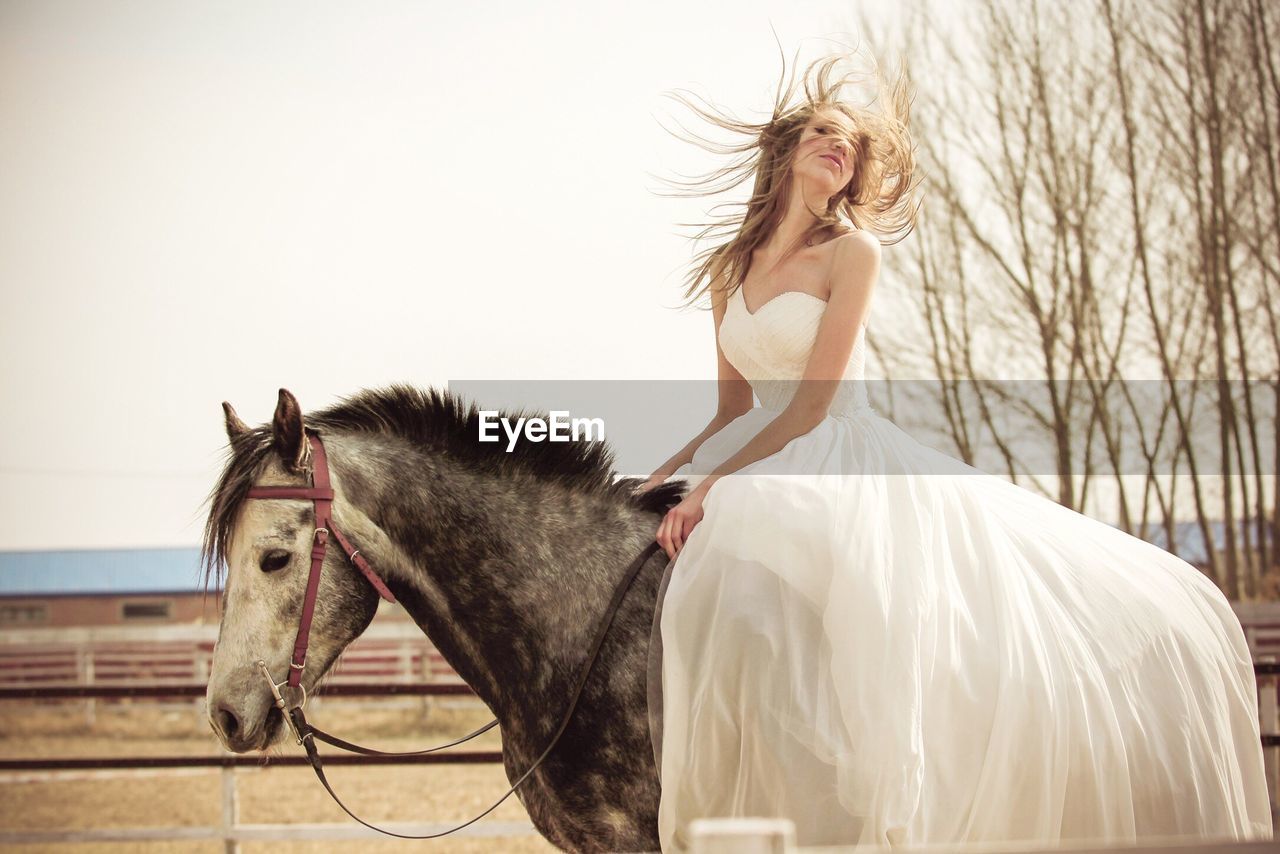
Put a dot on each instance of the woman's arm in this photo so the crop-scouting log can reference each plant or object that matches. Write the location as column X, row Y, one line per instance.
column 733, row 393
column 855, row 268
column 685, row 454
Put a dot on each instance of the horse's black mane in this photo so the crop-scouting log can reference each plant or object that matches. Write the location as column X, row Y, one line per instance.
column 438, row 421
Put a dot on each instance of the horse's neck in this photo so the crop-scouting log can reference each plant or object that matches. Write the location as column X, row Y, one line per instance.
column 507, row 579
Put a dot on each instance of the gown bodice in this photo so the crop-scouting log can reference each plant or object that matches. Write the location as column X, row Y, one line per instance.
column 771, row 348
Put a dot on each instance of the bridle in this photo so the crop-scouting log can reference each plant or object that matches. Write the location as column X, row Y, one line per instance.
column 321, row 494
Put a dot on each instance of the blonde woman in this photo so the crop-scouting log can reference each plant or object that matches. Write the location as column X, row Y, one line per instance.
column 875, row 640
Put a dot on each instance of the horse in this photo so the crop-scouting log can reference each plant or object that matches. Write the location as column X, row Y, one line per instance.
column 504, row 559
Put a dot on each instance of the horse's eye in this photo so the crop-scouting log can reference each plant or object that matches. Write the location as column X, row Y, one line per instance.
column 274, row 560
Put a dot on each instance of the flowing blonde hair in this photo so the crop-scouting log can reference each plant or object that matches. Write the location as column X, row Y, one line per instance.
column 878, row 196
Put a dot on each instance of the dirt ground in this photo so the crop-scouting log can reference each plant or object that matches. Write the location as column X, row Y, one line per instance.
column 41, row 801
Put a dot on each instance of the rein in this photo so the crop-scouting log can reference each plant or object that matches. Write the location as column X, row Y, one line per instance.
column 321, row 494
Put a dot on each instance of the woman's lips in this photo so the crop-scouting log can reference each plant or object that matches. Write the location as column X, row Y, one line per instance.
column 834, row 160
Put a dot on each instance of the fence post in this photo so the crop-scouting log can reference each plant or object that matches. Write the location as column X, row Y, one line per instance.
column 230, row 810
column 84, row 663
column 427, row 676
column 201, row 669
column 742, row 835
column 1269, row 724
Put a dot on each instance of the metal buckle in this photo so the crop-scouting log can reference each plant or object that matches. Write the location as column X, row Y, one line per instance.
column 279, row 698
column 317, row 533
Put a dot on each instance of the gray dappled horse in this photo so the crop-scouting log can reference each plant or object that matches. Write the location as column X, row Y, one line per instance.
column 505, row 560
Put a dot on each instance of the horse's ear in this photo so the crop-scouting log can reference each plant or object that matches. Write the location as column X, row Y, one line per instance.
column 290, row 439
column 234, row 425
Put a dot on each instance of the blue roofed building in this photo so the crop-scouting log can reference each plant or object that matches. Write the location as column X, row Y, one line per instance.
column 98, row 587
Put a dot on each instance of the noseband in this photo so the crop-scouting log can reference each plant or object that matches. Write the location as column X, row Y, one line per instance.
column 321, row 494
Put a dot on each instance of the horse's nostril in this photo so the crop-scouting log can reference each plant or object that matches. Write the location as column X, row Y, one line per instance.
column 228, row 722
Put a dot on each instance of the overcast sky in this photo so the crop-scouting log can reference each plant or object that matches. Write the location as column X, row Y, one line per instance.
column 210, row 201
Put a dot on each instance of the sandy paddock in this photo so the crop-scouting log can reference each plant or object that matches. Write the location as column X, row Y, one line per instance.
column 192, row 797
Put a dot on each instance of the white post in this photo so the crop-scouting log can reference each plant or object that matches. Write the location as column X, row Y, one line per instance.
column 230, row 810
column 742, row 836
column 84, row 652
column 1269, row 724
column 201, row 668
column 428, row 702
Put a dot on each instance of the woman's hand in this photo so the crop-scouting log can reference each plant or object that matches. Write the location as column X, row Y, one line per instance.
column 681, row 519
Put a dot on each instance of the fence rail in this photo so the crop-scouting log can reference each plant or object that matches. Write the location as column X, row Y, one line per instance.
column 189, row 690
column 1266, row 667
column 391, row 651
column 230, row 830
column 134, row 763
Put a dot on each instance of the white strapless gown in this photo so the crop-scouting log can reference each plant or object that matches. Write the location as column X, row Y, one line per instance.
column 924, row 653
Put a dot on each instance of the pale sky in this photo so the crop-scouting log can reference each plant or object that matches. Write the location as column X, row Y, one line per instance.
column 191, row 190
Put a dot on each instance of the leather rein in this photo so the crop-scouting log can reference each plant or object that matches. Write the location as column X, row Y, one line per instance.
column 321, row 494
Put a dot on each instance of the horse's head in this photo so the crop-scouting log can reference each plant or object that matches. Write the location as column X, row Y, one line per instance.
column 266, row 547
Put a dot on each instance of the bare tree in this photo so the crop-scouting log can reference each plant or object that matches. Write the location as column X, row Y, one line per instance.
column 1104, row 202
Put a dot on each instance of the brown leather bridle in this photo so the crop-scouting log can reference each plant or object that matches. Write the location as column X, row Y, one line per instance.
column 321, row 494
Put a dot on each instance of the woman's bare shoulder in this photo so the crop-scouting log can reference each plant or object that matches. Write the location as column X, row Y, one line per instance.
column 853, row 247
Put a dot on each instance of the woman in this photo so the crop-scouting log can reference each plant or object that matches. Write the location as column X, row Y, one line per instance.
column 878, row 641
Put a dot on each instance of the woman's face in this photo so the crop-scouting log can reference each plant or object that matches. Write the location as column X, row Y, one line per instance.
column 823, row 155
